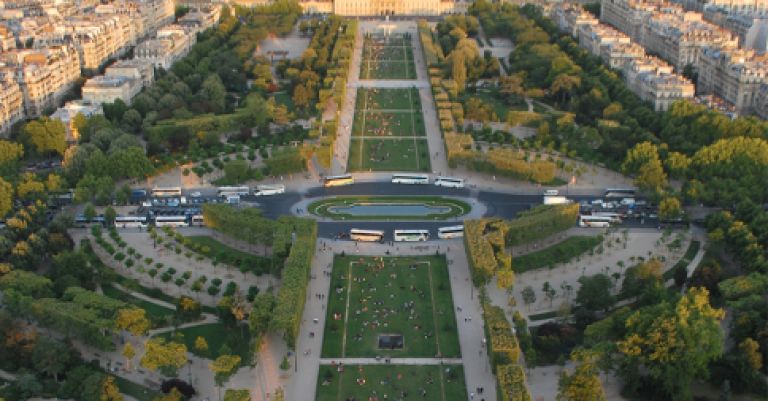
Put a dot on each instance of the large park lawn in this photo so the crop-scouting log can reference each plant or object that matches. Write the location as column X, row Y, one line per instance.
column 399, row 296
column 389, row 155
column 391, row 382
column 390, row 58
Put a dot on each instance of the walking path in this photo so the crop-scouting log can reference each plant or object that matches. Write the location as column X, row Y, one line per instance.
column 207, row 319
column 143, row 297
column 391, row 361
column 302, row 384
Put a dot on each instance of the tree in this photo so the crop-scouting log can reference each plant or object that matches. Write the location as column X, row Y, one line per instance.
column 53, row 183
column 134, row 320
column 223, row 367
column 109, row 390
column 214, row 93
column 595, row 293
column 128, row 353
column 131, row 121
column 109, row 216
column 89, row 212
column 201, row 345
column 237, row 171
column 261, row 313
column 50, row 357
column 161, row 355
column 670, row 208
column 173, row 395
column 10, row 154
column 529, row 296
column 28, row 386
column 6, row 197
column 29, row 185
column 671, row 344
column 549, row 292
column 751, row 350
column 46, row 136
column 583, row 384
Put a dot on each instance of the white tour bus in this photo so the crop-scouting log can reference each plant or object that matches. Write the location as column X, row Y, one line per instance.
column 615, row 217
column 231, row 191
column 449, row 182
column 357, row 234
column 411, row 235
column 594, row 221
column 171, row 221
column 166, row 192
column 262, row 190
column 410, row 179
column 338, row 180
column 198, row 220
column 450, row 232
column 131, row 222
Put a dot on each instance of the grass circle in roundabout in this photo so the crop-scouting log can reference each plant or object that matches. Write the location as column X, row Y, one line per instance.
column 389, row 208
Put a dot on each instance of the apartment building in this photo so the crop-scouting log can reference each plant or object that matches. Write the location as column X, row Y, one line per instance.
column 680, row 37
column 134, row 69
column 750, row 28
column 571, row 17
column 148, row 15
column 618, row 55
column 200, row 19
column 99, row 38
column 7, row 39
column 44, row 75
column 365, row 8
column 738, row 6
column 171, row 44
column 104, row 89
column 631, row 16
column 594, row 37
column 11, row 103
column 736, row 75
column 761, row 106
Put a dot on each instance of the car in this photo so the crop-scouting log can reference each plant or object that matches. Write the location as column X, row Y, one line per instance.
column 196, row 194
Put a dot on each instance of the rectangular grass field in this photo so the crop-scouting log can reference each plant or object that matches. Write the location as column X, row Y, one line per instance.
column 388, row 155
column 391, row 382
column 388, row 113
column 390, row 58
column 405, row 296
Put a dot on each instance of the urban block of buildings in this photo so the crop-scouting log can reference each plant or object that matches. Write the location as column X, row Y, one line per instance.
column 651, row 78
column 365, row 8
column 45, row 48
column 728, row 61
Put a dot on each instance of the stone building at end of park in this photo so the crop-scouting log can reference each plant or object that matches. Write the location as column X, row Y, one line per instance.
column 370, row 8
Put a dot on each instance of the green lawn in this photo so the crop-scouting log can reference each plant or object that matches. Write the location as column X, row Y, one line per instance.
column 562, row 252
column 135, row 390
column 388, row 155
column 387, row 60
column 158, row 315
column 408, row 296
column 388, row 99
column 392, row 382
column 457, row 207
column 217, row 335
column 387, row 124
column 218, row 248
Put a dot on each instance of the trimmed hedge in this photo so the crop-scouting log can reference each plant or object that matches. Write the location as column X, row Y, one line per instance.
column 511, row 380
column 503, row 346
column 541, row 222
column 484, row 239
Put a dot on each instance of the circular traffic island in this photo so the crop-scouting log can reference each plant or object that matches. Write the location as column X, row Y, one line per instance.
column 389, row 208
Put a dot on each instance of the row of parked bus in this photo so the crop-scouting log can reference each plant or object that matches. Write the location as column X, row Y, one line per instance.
column 144, row 222
column 260, row 190
column 412, row 179
column 357, row 234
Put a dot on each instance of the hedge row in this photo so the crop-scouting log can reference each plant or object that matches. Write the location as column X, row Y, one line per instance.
column 484, row 240
column 541, row 222
column 293, row 291
column 511, row 379
column 503, row 346
column 244, row 224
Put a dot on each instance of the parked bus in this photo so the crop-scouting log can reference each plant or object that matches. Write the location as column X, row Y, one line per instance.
column 131, row 221
column 263, row 190
column 619, row 193
column 449, row 182
column 594, row 221
column 411, row 235
column 450, row 232
column 198, row 220
column 410, row 179
column 338, row 180
column 615, row 217
column 166, row 192
column 356, row 234
column 231, row 191
column 171, row 221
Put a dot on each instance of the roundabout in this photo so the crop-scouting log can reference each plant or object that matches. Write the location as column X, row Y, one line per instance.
column 403, row 208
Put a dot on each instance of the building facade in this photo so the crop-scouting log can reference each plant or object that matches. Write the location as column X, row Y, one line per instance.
column 735, row 75
column 11, row 103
